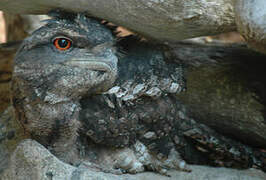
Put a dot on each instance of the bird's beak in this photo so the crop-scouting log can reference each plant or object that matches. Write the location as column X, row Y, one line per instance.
column 96, row 64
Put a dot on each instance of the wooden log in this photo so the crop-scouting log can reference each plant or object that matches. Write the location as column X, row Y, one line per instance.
column 165, row 20
column 250, row 19
column 161, row 20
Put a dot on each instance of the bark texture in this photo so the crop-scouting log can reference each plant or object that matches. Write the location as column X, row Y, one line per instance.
column 165, row 20
column 170, row 20
column 251, row 22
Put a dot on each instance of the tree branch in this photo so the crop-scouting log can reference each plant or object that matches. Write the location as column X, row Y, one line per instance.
column 250, row 19
column 162, row 20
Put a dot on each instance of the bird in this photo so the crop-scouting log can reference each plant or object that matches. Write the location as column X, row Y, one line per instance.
column 70, row 60
column 103, row 102
column 69, row 57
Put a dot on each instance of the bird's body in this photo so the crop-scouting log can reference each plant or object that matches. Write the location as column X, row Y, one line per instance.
column 71, row 94
column 58, row 71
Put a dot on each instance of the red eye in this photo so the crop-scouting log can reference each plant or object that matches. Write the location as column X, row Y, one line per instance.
column 62, row 44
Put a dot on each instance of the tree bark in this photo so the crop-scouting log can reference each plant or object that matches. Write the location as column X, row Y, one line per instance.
column 161, row 20
column 165, row 20
column 250, row 19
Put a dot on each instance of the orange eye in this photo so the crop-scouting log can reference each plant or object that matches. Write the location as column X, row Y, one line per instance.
column 62, row 44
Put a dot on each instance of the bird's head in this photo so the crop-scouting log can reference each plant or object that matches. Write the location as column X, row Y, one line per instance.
column 71, row 56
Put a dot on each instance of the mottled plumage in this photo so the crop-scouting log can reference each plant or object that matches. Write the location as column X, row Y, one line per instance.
column 90, row 103
column 48, row 83
column 54, row 91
